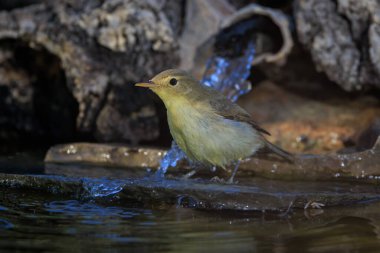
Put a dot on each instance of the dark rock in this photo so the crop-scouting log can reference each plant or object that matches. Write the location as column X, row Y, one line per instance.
column 283, row 4
column 367, row 138
column 268, row 28
column 34, row 98
column 12, row 4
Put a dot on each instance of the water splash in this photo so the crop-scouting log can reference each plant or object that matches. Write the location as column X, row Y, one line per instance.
column 97, row 188
column 228, row 75
column 171, row 158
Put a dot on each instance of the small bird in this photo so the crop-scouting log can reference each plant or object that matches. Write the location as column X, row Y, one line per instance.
column 206, row 125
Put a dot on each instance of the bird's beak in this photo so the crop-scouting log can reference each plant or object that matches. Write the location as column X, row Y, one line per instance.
column 149, row 84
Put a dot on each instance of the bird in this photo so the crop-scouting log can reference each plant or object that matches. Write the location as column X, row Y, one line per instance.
column 206, row 125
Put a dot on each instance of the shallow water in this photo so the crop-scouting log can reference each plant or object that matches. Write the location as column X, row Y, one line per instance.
column 35, row 221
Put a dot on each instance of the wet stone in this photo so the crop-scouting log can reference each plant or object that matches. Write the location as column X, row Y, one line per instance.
column 359, row 167
column 134, row 184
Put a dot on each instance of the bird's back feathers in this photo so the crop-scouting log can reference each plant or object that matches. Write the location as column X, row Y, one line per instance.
column 229, row 110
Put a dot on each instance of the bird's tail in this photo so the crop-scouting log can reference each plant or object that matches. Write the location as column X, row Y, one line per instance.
column 280, row 152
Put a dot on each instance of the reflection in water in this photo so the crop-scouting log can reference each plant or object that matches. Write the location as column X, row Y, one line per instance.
column 43, row 223
column 347, row 234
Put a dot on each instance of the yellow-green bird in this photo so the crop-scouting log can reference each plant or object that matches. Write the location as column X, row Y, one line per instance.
column 206, row 125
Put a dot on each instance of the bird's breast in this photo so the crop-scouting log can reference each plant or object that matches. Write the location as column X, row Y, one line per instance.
column 210, row 138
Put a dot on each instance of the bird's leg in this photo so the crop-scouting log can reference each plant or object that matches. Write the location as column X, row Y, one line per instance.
column 189, row 174
column 231, row 179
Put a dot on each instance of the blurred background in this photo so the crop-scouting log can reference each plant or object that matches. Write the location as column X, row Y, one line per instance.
column 67, row 68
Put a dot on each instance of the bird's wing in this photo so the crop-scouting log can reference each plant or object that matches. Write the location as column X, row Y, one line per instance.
column 224, row 107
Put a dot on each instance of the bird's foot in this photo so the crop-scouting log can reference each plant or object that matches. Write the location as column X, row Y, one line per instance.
column 231, row 181
column 189, row 174
column 217, row 179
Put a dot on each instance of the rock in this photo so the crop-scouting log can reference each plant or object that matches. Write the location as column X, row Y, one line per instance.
column 311, row 117
column 203, row 20
column 268, row 29
column 34, row 98
column 279, row 31
column 103, row 48
column 16, row 94
column 367, row 137
column 104, row 154
column 12, row 4
column 259, row 196
column 342, row 37
column 359, row 167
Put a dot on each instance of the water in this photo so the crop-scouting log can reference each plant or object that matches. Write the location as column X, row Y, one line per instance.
column 45, row 223
column 97, row 220
column 228, row 75
column 96, row 188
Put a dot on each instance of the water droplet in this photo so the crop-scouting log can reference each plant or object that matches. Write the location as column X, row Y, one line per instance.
column 71, row 150
column 274, row 168
column 105, row 155
column 102, row 187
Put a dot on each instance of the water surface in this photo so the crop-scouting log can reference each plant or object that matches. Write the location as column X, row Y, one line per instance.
column 32, row 221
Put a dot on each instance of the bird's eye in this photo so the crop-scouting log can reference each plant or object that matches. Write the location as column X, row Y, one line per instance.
column 173, row 82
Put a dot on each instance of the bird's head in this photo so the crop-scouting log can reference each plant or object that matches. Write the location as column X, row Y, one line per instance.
column 173, row 84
